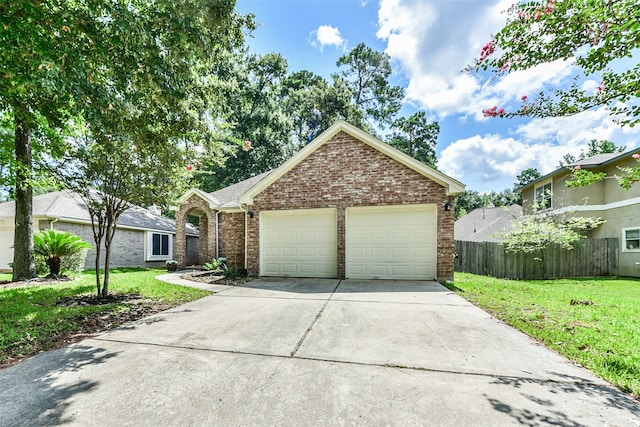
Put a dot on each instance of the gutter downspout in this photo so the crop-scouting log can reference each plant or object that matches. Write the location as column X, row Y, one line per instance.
column 52, row 222
column 246, row 239
column 217, row 235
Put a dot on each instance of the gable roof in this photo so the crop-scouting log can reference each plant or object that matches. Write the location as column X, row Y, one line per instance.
column 482, row 224
column 68, row 206
column 597, row 161
column 225, row 198
column 452, row 186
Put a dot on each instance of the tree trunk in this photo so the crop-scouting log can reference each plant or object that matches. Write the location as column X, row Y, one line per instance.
column 54, row 265
column 98, row 284
column 24, row 266
column 111, row 231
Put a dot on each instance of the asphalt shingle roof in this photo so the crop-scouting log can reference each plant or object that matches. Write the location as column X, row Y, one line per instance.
column 70, row 206
column 228, row 196
column 481, row 225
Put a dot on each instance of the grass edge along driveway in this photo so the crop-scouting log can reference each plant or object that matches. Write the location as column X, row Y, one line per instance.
column 594, row 321
column 39, row 318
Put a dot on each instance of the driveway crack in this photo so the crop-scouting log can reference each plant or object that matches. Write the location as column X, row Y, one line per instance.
column 313, row 322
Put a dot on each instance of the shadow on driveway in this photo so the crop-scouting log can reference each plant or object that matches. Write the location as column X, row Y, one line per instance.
column 34, row 394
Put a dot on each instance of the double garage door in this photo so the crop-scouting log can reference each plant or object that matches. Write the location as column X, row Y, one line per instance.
column 385, row 242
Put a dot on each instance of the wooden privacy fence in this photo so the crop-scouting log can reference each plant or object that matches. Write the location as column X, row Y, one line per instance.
column 590, row 257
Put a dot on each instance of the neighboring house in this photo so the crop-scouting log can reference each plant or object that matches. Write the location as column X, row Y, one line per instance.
column 485, row 224
column 605, row 199
column 345, row 206
column 143, row 238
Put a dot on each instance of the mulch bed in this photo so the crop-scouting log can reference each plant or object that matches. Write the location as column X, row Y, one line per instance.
column 135, row 308
column 214, row 277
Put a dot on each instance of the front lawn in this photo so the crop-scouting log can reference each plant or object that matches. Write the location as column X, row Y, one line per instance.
column 38, row 318
column 595, row 322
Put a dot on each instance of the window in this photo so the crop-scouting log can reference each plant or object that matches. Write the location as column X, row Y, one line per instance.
column 631, row 239
column 159, row 246
column 543, row 196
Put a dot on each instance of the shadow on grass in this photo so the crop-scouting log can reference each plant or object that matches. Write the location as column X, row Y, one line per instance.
column 37, row 391
column 545, row 393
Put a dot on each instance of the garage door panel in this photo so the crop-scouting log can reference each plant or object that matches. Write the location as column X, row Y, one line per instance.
column 299, row 243
column 391, row 242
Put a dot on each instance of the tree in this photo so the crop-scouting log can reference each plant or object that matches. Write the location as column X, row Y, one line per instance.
column 254, row 111
column 598, row 37
column 108, row 63
column 417, row 137
column 54, row 245
column 470, row 200
column 367, row 77
column 313, row 104
column 590, row 34
column 527, row 176
column 532, row 234
column 111, row 173
column 594, row 148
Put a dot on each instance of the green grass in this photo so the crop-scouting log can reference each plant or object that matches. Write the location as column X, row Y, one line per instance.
column 600, row 329
column 31, row 321
column 4, row 277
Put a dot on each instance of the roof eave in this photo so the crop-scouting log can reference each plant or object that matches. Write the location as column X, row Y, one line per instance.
column 213, row 203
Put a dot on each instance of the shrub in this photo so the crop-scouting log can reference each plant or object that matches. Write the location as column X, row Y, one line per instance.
column 60, row 250
column 216, row 264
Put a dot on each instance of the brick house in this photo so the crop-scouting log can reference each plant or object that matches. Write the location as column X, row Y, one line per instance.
column 143, row 238
column 345, row 206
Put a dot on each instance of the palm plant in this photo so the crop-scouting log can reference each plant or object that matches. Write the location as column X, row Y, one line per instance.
column 54, row 244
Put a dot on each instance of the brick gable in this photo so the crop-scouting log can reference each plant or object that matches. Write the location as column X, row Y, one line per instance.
column 346, row 172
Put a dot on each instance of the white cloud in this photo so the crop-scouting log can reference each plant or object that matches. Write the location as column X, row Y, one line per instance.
column 326, row 35
column 492, row 162
column 435, row 41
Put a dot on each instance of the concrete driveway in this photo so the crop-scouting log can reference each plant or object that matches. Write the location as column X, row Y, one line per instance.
column 312, row 352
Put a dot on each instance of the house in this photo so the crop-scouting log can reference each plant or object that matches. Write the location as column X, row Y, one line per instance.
column 143, row 238
column 345, row 206
column 485, row 224
column 605, row 199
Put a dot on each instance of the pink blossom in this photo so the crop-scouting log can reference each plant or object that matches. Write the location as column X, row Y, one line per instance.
column 524, row 98
column 636, row 156
column 246, row 146
column 538, row 15
column 493, row 112
column 550, row 6
column 578, row 167
column 189, row 168
column 487, row 50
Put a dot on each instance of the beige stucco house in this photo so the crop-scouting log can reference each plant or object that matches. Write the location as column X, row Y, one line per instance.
column 345, row 206
column 605, row 199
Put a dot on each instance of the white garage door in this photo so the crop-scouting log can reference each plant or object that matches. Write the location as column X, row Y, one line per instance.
column 391, row 242
column 6, row 248
column 298, row 243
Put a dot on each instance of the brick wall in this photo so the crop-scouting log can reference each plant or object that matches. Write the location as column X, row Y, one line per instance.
column 128, row 246
column 231, row 235
column 346, row 172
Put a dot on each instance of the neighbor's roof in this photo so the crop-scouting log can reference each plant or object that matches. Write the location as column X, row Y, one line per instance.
column 597, row 161
column 452, row 186
column 482, row 224
column 68, row 206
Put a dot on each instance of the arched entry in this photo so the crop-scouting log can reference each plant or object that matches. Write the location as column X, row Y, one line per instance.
column 196, row 206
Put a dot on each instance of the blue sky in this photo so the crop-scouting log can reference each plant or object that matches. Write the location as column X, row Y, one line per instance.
column 430, row 42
